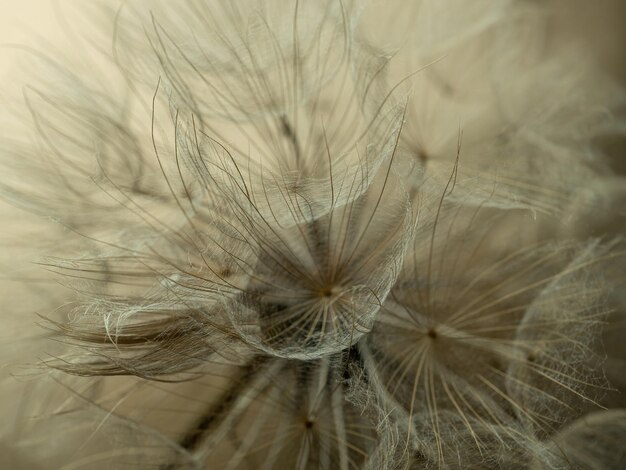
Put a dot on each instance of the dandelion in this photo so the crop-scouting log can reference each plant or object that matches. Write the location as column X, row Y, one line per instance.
column 454, row 349
column 302, row 235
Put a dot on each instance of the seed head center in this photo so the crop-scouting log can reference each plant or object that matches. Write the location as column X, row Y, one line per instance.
column 326, row 292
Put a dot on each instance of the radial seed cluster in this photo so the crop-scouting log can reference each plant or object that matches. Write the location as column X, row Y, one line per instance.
column 322, row 235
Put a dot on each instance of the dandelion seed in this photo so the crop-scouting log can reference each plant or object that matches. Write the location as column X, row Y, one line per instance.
column 317, row 288
column 453, row 334
column 296, row 417
column 594, row 441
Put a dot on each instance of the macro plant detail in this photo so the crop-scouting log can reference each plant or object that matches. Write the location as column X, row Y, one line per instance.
column 278, row 234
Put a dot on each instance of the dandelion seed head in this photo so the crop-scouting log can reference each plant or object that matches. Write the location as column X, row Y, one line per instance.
column 320, row 235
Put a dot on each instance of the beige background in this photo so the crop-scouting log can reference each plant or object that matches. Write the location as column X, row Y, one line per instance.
column 22, row 21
